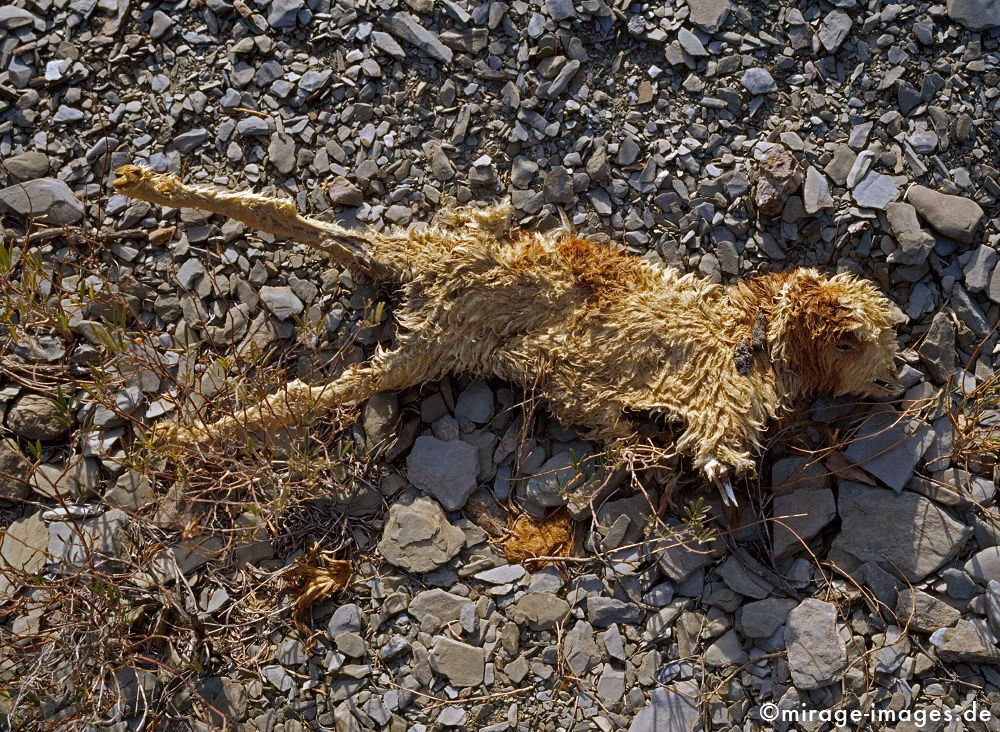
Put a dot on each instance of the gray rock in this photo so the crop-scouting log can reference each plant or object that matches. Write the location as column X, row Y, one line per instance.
column 975, row 14
column 385, row 42
column 560, row 9
column 418, row 538
column 800, row 515
column 445, row 470
column 281, row 153
column 46, row 200
column 14, row 473
column 281, row 302
column 342, row 192
column 937, row 351
column 758, row 81
column 463, row 665
column 475, row 403
column 954, row 216
column 37, row 417
column 985, row 565
column 924, row 613
column 12, row 18
column 580, row 650
column 188, row 141
column 727, row 650
column 628, row 151
column 88, row 541
column 284, row 13
column 405, row 26
column 681, row 554
column 437, row 603
column 970, row 641
column 993, row 605
column 907, row 532
column 816, row 192
column 345, row 619
column 554, row 481
column 502, row 575
column 22, row 550
column 611, row 685
column 817, row 655
column 709, row 15
column 605, row 611
column 673, row 708
column 161, row 25
column 540, row 610
column 558, row 186
column 914, row 243
column 690, row 43
column 875, row 190
column 740, row 577
column 977, row 271
column 889, row 445
column 841, row 163
column 28, row 165
column 130, row 492
column 278, row 677
column 762, row 618
column 834, row 29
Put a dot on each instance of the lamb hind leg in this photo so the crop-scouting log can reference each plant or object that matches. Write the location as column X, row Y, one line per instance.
column 296, row 402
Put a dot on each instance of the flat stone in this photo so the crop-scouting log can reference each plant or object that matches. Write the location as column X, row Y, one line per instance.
column 954, row 216
column 914, row 244
column 970, row 641
column 28, row 165
column 540, row 610
column 446, row 470
column 816, row 192
column 281, row 302
column 709, row 15
column 342, row 192
column 345, row 619
column 674, row 708
column 875, row 190
column 12, row 17
column 975, row 14
column 284, row 13
column 817, row 655
column 758, row 81
column 690, row 43
column 501, row 575
column 889, row 446
column 907, row 532
column 834, row 29
column 580, row 649
column 37, row 417
column 841, row 163
column 558, row 186
column 799, row 516
column 405, row 26
column 14, row 473
column 560, row 9
column 924, row 613
column 463, row 665
column 475, row 403
column 762, row 618
column 604, row 611
column 22, row 550
column 418, row 538
column 45, row 200
column 681, row 554
column 985, row 565
column 444, row 606
column 726, row 650
column 977, row 271
column 161, row 25
column 937, row 351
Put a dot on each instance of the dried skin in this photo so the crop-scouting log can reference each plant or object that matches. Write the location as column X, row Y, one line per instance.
column 549, row 537
column 599, row 334
column 316, row 577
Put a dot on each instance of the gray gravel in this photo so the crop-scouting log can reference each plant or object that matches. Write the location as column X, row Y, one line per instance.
column 720, row 138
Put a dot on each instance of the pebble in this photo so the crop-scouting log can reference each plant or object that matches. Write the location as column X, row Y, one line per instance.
column 954, row 216
column 463, row 665
column 758, row 81
column 875, row 190
column 817, row 654
column 46, row 200
column 418, row 538
column 445, row 470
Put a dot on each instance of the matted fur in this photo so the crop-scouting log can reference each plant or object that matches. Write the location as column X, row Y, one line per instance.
column 599, row 334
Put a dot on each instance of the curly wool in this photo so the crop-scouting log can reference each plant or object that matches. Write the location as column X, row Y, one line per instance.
column 601, row 335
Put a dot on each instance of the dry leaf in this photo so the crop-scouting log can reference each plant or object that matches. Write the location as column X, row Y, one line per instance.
column 318, row 577
column 551, row 536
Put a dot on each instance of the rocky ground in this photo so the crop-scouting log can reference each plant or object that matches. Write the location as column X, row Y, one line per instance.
column 722, row 137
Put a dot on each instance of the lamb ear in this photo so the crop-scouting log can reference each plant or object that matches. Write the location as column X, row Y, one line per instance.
column 819, row 302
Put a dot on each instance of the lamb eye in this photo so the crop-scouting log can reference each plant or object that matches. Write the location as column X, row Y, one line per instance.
column 846, row 347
